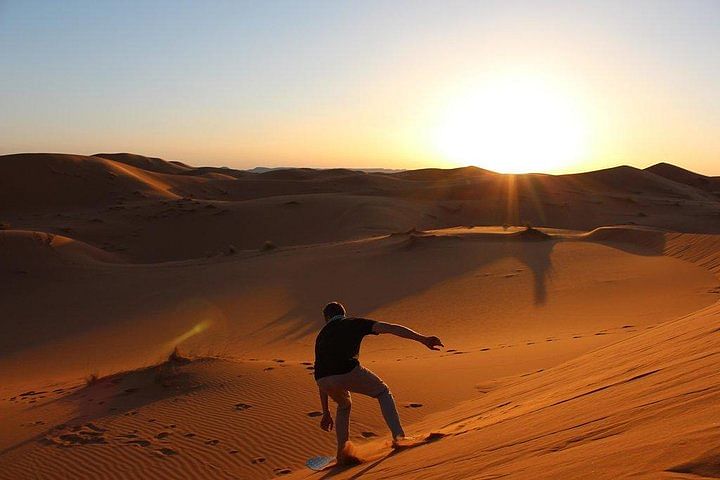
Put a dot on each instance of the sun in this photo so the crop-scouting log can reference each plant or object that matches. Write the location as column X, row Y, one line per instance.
column 514, row 125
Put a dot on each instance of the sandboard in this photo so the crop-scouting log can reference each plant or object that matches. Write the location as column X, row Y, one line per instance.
column 320, row 463
column 323, row 462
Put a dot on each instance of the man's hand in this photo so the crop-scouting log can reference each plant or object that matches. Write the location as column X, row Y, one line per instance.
column 326, row 423
column 433, row 343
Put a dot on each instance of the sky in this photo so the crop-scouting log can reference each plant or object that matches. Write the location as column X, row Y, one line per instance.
column 513, row 86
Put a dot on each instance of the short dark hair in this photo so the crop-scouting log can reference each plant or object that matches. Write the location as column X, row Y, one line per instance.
column 333, row 309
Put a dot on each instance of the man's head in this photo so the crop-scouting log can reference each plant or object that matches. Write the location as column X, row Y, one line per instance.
column 333, row 309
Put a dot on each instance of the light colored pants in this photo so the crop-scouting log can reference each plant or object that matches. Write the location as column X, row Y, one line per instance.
column 363, row 381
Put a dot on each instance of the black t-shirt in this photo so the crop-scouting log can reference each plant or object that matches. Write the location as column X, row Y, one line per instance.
column 338, row 345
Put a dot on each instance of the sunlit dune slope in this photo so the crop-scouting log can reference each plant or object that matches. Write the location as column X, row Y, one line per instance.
column 152, row 164
column 645, row 407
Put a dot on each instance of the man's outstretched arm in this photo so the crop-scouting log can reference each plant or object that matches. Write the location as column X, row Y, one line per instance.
column 433, row 343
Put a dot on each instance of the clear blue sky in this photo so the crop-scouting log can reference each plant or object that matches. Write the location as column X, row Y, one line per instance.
column 353, row 83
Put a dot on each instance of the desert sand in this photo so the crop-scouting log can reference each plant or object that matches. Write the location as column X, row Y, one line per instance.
column 158, row 319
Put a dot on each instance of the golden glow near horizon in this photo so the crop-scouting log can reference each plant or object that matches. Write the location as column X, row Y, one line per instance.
column 514, row 124
column 509, row 86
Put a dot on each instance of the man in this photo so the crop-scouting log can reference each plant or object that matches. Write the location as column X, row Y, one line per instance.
column 338, row 371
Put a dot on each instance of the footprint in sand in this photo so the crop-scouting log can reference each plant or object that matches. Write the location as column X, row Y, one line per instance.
column 306, row 363
column 162, row 435
column 140, row 442
column 94, row 427
column 282, row 471
column 314, row 414
column 242, row 406
column 168, row 452
column 233, row 452
column 190, row 435
column 413, row 405
column 81, row 438
column 268, row 369
column 368, row 434
column 486, row 349
column 257, row 460
column 212, row 442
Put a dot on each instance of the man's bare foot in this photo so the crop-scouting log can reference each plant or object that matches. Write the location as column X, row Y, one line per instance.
column 348, row 456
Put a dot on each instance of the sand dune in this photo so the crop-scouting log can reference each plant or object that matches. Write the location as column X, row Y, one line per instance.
column 681, row 175
column 644, row 407
column 37, row 182
column 150, row 210
column 585, row 350
column 152, row 164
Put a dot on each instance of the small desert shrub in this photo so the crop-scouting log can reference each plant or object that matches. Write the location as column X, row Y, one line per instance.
column 45, row 239
column 92, row 379
column 531, row 233
column 177, row 358
column 268, row 245
column 168, row 373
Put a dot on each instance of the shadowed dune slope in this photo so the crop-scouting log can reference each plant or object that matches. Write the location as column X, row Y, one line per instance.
column 681, row 175
column 21, row 249
column 484, row 290
column 56, row 182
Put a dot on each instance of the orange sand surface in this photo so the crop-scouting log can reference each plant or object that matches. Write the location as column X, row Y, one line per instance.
column 584, row 348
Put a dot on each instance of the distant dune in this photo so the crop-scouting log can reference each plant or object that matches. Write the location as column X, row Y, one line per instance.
column 172, row 201
column 158, row 319
column 680, row 175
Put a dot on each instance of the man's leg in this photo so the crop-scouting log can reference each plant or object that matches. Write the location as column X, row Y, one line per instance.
column 390, row 414
column 342, row 419
column 365, row 382
column 341, row 396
